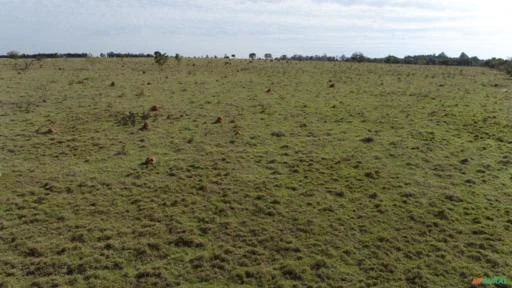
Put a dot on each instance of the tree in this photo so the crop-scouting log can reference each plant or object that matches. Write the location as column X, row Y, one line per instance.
column 443, row 59
column 358, row 57
column 392, row 59
column 13, row 54
column 464, row 59
column 268, row 56
column 252, row 56
column 475, row 61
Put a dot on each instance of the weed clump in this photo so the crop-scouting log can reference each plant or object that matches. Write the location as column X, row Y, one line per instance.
column 132, row 118
column 367, row 140
column 148, row 274
column 292, row 272
column 278, row 134
column 145, row 126
column 129, row 119
column 33, row 252
column 319, row 264
column 184, row 242
column 453, row 198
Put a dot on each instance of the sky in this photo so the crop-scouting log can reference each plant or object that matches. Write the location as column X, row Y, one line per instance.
column 376, row 28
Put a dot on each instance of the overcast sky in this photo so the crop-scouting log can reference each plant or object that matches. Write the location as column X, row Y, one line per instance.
column 215, row 27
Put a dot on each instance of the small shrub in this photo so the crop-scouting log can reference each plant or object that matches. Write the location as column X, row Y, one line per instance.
column 132, row 118
column 291, row 272
column 160, row 59
column 129, row 119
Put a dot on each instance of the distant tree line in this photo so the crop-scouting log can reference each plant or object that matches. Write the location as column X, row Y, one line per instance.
column 431, row 59
column 126, row 55
column 16, row 55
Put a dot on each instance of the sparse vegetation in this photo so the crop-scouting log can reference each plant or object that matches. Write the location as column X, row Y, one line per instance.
column 398, row 176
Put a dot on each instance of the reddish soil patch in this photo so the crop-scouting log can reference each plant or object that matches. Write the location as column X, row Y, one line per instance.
column 219, row 120
column 50, row 130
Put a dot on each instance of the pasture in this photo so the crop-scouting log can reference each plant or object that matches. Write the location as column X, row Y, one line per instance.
column 214, row 173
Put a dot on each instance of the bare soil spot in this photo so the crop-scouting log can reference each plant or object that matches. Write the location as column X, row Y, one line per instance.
column 49, row 130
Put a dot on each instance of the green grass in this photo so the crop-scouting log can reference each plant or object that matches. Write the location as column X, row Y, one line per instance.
column 398, row 176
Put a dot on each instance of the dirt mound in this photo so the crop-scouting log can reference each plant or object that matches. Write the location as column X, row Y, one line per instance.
column 145, row 126
column 151, row 160
column 50, row 130
column 219, row 120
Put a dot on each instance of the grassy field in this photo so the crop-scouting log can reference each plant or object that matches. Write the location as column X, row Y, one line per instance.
column 318, row 174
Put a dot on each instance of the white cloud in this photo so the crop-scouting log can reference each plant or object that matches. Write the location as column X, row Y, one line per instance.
column 239, row 26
